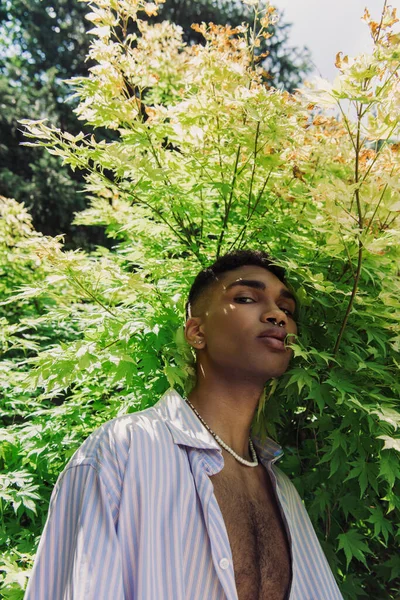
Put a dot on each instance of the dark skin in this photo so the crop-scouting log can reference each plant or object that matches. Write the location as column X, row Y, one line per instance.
column 233, row 365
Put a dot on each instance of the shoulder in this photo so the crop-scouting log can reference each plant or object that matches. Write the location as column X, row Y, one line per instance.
column 113, row 441
column 134, row 450
column 118, row 446
column 119, row 456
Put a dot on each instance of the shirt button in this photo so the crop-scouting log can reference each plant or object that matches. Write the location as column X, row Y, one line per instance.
column 224, row 563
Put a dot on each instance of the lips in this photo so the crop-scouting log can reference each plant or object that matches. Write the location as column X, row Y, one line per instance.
column 277, row 333
column 274, row 338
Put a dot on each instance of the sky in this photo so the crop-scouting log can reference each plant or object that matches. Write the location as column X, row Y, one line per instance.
column 329, row 26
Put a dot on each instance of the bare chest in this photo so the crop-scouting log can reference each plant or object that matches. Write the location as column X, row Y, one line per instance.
column 257, row 536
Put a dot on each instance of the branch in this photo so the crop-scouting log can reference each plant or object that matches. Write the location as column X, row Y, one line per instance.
column 94, row 298
column 253, row 171
column 379, row 202
column 242, row 231
column 351, row 301
column 347, row 125
column 219, row 139
column 229, row 203
column 378, row 31
column 348, row 256
column 210, row 178
column 360, row 245
column 187, row 239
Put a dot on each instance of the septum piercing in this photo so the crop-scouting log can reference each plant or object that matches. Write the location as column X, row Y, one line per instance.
column 280, row 324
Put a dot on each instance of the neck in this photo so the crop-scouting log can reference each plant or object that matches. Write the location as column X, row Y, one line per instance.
column 228, row 408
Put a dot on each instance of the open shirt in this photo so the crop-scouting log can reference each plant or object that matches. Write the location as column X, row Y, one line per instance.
column 134, row 517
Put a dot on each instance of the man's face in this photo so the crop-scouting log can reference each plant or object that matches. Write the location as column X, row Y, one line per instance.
column 243, row 312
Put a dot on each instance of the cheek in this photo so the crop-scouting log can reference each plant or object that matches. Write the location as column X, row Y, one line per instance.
column 228, row 322
column 221, row 316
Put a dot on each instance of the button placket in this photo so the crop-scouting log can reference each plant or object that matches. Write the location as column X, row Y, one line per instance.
column 203, row 465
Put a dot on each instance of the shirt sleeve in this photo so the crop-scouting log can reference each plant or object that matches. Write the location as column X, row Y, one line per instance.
column 79, row 555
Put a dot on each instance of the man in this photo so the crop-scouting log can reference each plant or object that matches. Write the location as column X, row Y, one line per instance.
column 177, row 502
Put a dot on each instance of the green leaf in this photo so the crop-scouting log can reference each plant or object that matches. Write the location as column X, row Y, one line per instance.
column 350, row 504
column 389, row 468
column 343, row 382
column 353, row 546
column 303, row 377
column 321, row 394
column 381, row 525
column 394, row 564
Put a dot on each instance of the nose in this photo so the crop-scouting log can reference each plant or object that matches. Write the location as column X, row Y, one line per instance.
column 279, row 318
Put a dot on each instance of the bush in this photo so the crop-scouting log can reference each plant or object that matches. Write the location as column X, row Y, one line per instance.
column 206, row 158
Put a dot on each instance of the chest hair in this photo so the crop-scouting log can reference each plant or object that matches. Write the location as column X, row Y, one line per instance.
column 257, row 536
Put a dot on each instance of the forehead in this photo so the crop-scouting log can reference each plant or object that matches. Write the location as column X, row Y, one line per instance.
column 249, row 272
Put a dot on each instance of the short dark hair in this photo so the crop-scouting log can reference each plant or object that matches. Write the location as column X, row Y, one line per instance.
column 229, row 262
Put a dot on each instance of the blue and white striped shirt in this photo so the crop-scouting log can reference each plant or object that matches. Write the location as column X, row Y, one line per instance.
column 134, row 517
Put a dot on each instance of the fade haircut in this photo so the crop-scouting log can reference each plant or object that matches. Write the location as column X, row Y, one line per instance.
column 229, row 262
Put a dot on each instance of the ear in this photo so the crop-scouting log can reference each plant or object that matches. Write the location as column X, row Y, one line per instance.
column 194, row 333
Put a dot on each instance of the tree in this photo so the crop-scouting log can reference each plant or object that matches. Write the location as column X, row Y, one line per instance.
column 205, row 157
column 49, row 44
column 31, row 84
column 285, row 66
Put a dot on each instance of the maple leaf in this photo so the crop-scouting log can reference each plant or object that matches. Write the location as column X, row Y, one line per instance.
column 394, row 563
column 381, row 525
column 389, row 468
column 353, row 546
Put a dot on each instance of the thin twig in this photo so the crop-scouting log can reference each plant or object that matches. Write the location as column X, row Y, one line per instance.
column 229, row 203
column 95, row 298
column 350, row 264
column 360, row 245
column 259, row 196
column 253, row 171
column 347, row 126
column 218, row 137
column 378, row 31
column 379, row 202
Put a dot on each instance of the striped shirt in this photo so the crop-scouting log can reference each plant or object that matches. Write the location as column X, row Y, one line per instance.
column 134, row 517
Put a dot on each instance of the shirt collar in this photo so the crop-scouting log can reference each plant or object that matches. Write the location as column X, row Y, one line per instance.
column 185, row 427
column 187, row 430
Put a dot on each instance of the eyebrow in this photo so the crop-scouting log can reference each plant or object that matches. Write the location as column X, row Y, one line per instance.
column 259, row 285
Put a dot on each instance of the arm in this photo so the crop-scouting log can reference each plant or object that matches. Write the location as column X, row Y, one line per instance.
column 78, row 556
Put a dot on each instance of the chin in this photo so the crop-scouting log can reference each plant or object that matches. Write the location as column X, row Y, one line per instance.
column 262, row 375
column 274, row 371
column 255, row 367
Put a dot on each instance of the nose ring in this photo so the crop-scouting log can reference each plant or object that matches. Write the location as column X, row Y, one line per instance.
column 280, row 324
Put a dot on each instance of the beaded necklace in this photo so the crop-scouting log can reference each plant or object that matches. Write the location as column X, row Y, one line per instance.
column 243, row 461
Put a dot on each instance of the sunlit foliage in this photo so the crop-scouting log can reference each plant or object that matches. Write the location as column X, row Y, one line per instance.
column 206, row 158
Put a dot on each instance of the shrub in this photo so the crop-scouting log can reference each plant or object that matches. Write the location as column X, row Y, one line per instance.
column 207, row 158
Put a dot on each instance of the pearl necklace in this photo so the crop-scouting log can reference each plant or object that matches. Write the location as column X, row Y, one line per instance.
column 245, row 462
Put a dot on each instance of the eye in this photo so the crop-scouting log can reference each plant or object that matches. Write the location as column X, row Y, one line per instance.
column 244, row 299
column 286, row 311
